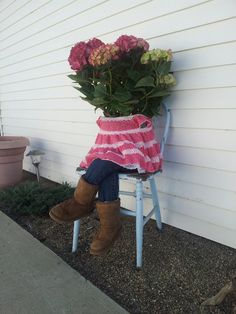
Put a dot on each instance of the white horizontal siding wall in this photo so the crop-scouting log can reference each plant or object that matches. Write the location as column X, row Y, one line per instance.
column 198, row 185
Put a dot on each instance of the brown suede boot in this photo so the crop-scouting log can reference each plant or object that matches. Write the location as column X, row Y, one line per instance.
column 110, row 226
column 81, row 205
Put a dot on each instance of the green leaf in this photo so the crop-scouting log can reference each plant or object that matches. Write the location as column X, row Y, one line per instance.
column 123, row 109
column 98, row 101
column 159, row 93
column 122, row 95
column 100, row 91
column 78, row 88
column 133, row 75
column 156, row 110
column 83, row 90
column 73, row 77
column 146, row 81
column 131, row 102
column 164, row 68
column 139, row 89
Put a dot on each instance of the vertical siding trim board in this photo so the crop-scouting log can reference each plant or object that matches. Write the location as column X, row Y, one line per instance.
column 37, row 99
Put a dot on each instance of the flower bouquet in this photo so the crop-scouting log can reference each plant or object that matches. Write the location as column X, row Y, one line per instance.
column 124, row 78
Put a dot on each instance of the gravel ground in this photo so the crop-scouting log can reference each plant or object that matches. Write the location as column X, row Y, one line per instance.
column 180, row 270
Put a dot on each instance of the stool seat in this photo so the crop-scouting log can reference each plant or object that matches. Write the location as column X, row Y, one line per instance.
column 139, row 176
column 127, row 175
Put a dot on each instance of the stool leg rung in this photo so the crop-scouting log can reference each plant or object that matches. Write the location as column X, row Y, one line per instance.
column 139, row 223
column 75, row 236
column 146, row 218
column 156, row 203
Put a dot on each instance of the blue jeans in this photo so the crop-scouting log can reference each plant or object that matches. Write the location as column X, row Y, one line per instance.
column 105, row 174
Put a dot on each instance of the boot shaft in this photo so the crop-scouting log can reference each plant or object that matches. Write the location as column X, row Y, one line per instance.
column 109, row 213
column 85, row 193
column 110, row 226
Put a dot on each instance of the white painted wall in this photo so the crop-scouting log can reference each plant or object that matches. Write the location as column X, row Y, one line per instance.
column 198, row 185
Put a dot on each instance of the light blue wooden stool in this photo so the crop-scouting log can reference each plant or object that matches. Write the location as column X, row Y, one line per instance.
column 139, row 194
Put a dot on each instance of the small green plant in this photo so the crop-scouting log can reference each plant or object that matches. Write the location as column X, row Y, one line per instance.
column 34, row 198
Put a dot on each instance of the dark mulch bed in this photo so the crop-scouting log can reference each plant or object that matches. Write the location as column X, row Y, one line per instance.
column 180, row 270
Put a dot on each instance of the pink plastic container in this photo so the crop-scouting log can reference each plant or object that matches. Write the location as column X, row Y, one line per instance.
column 12, row 150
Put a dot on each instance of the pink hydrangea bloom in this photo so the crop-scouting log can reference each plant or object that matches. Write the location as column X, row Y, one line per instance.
column 103, row 54
column 79, row 54
column 143, row 44
column 93, row 44
column 126, row 43
column 77, row 57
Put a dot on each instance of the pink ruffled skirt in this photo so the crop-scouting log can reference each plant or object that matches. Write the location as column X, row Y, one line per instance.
column 127, row 141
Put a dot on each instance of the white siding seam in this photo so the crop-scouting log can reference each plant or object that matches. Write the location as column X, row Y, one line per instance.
column 35, row 56
column 92, row 123
column 46, row 28
column 194, row 183
column 23, row 17
column 192, row 128
column 225, row 66
column 205, row 46
column 50, row 161
column 201, row 148
column 71, row 85
column 36, row 78
column 108, row 16
column 35, row 89
column 193, row 27
column 43, row 139
column 10, row 15
column 201, row 108
column 65, row 60
column 201, row 166
column 53, row 151
column 92, row 136
column 54, row 110
column 34, row 119
column 206, row 67
column 7, row 6
column 57, row 142
column 48, row 130
column 110, row 32
column 199, row 219
column 5, row 115
column 42, row 99
column 30, row 25
column 63, row 20
column 68, row 46
column 151, row 19
column 63, row 163
column 204, row 88
column 195, row 200
column 70, row 72
column 48, row 170
column 174, row 51
column 37, row 67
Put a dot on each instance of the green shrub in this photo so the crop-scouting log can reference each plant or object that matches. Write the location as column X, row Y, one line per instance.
column 33, row 197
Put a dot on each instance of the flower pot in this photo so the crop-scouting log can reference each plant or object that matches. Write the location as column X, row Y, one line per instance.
column 128, row 141
column 12, row 150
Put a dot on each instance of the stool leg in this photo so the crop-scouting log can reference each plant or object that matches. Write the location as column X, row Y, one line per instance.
column 75, row 236
column 139, row 223
column 155, row 202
